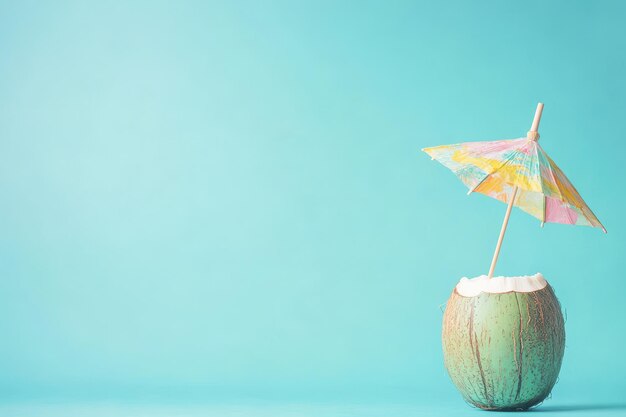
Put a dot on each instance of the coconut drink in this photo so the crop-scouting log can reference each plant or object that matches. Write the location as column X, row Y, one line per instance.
column 504, row 337
column 503, row 341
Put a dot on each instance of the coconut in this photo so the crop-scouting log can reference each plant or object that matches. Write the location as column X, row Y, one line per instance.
column 503, row 341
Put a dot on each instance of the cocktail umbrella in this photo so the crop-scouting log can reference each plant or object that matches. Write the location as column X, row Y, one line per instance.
column 520, row 173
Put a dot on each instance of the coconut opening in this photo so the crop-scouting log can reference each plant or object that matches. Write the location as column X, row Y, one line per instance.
column 471, row 287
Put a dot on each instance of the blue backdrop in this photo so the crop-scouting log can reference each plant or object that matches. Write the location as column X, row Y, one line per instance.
column 228, row 199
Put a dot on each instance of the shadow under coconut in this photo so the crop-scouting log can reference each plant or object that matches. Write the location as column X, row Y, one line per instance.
column 579, row 407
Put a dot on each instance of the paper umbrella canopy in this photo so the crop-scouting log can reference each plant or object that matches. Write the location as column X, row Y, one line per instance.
column 518, row 169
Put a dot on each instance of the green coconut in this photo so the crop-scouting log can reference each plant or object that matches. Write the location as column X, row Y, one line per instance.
column 503, row 349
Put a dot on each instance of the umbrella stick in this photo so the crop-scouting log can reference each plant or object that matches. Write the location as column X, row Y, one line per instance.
column 533, row 128
column 537, row 119
column 502, row 231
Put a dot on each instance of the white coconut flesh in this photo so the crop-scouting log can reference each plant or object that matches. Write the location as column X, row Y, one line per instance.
column 471, row 287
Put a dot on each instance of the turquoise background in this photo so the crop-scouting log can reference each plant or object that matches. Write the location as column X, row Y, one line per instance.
column 219, row 202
